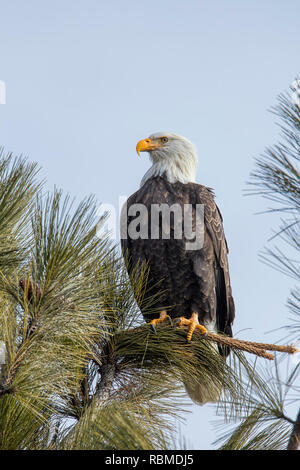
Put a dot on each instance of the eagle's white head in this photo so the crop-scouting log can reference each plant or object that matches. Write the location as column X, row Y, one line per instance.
column 172, row 155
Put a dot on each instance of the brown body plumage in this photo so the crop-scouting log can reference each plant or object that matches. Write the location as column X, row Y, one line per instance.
column 189, row 280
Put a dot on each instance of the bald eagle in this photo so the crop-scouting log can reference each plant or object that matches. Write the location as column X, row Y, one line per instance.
column 191, row 281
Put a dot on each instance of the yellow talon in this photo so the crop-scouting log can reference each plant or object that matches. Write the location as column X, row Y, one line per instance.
column 193, row 323
column 162, row 318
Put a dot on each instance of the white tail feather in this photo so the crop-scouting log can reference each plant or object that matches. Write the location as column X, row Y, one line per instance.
column 203, row 393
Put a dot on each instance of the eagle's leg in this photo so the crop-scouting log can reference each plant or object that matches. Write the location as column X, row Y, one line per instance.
column 163, row 316
column 193, row 324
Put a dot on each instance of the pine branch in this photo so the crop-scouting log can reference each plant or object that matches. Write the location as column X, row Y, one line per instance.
column 108, row 372
column 294, row 440
column 259, row 349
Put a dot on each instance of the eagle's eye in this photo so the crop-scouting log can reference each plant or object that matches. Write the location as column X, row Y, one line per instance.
column 164, row 139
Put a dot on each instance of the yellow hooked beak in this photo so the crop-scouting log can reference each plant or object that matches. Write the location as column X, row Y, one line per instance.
column 145, row 145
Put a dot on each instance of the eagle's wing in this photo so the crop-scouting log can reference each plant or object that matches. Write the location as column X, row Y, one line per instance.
column 132, row 252
column 212, row 260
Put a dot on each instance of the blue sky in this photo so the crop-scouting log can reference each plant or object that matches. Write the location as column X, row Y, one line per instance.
column 85, row 80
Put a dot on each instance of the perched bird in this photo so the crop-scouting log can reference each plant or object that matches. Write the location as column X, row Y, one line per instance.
column 191, row 278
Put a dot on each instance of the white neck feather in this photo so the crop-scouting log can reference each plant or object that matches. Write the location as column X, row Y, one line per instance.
column 178, row 163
